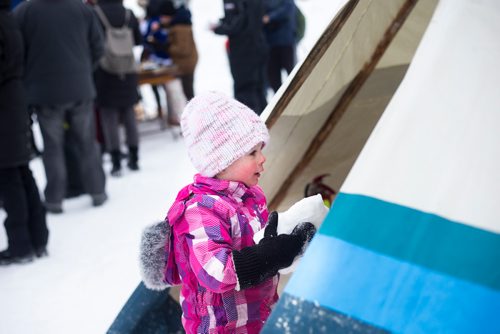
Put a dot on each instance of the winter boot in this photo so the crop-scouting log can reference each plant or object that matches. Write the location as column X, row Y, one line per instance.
column 99, row 199
column 6, row 258
column 53, row 207
column 133, row 158
column 41, row 252
column 116, row 170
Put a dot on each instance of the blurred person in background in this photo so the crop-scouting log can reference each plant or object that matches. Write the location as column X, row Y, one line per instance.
column 118, row 93
column 248, row 50
column 182, row 48
column 25, row 225
column 63, row 46
column 157, row 38
column 280, row 29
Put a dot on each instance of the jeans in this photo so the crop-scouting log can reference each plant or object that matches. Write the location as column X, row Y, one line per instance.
column 80, row 121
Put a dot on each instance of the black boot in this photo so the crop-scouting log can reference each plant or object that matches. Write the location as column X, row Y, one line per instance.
column 133, row 158
column 6, row 258
column 116, row 170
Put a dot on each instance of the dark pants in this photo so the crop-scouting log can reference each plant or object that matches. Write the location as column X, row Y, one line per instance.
column 156, row 93
column 148, row 312
column 187, row 81
column 111, row 118
column 74, row 184
column 25, row 224
column 280, row 58
column 80, row 118
column 249, row 83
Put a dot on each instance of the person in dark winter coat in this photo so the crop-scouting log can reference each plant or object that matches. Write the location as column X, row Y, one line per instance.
column 280, row 28
column 63, row 45
column 248, row 50
column 117, row 95
column 25, row 225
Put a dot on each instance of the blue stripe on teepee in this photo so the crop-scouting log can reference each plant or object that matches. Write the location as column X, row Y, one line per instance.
column 418, row 237
column 391, row 294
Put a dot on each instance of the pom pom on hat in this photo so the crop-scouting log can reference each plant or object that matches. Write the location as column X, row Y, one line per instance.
column 219, row 130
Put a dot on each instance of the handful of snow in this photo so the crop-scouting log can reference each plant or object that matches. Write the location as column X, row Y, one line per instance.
column 310, row 209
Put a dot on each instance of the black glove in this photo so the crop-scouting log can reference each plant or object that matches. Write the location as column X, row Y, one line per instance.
column 257, row 263
column 271, row 229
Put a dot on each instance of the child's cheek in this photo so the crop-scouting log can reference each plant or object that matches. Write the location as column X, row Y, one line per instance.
column 248, row 171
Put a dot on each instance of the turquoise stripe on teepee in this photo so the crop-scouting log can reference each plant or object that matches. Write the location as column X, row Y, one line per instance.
column 417, row 237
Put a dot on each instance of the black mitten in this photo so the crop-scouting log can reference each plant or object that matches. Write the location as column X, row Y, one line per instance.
column 257, row 263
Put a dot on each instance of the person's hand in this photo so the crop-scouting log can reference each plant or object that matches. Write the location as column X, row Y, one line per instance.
column 305, row 232
column 265, row 19
column 254, row 264
column 155, row 26
column 211, row 26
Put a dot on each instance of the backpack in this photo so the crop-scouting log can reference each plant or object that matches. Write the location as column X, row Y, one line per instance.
column 118, row 48
column 300, row 21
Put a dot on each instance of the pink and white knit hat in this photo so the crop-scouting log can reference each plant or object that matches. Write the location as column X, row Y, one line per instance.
column 219, row 130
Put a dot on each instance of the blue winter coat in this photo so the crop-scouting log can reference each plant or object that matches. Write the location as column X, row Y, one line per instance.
column 280, row 31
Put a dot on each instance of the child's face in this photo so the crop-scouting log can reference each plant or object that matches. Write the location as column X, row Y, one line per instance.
column 246, row 169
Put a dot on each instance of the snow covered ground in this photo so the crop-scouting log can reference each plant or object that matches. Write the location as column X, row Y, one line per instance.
column 92, row 265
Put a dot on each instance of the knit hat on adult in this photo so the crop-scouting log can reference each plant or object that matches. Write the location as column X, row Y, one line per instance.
column 219, row 130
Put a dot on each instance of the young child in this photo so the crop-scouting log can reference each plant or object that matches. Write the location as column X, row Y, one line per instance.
column 229, row 283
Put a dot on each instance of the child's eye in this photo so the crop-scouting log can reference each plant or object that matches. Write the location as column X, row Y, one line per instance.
column 253, row 152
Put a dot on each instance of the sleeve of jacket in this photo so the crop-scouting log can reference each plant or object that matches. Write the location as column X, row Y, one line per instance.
column 234, row 20
column 96, row 39
column 136, row 30
column 210, row 246
column 281, row 12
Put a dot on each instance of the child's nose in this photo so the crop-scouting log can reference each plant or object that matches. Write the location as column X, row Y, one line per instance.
column 262, row 158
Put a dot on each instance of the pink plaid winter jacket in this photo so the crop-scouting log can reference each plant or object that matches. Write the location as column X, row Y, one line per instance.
column 218, row 217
